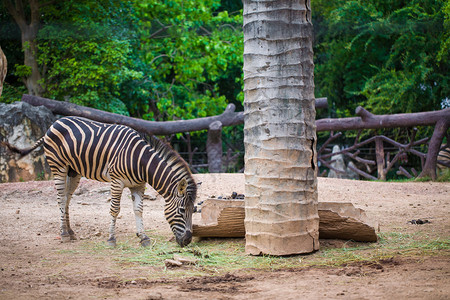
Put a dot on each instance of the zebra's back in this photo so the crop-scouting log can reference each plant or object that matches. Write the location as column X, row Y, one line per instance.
column 88, row 148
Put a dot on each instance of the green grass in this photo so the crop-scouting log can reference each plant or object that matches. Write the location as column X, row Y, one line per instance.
column 444, row 176
column 218, row 256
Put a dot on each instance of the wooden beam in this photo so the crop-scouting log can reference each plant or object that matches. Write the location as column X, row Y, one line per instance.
column 225, row 218
column 228, row 118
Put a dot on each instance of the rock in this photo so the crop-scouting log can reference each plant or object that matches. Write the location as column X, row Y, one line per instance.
column 338, row 163
column 185, row 260
column 21, row 125
column 350, row 173
column 343, row 171
column 225, row 218
column 171, row 263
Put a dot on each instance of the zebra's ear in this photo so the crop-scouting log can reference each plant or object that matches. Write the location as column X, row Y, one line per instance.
column 182, row 186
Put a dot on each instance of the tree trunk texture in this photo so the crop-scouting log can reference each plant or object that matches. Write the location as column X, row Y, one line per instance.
column 29, row 30
column 440, row 130
column 3, row 69
column 281, row 215
column 214, row 147
column 225, row 218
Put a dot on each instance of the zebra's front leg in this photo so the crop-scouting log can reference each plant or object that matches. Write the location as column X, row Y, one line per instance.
column 116, row 194
column 137, row 194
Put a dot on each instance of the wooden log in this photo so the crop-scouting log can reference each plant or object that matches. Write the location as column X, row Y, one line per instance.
column 440, row 130
column 366, row 120
column 214, row 147
column 379, row 151
column 225, row 218
column 228, row 118
column 402, row 171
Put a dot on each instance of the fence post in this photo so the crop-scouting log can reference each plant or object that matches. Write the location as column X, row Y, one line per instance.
column 214, row 147
column 379, row 151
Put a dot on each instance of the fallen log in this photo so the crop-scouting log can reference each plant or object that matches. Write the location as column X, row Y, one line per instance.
column 228, row 118
column 225, row 218
column 366, row 120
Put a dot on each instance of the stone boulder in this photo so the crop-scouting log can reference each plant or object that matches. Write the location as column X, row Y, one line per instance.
column 343, row 171
column 338, row 163
column 21, row 125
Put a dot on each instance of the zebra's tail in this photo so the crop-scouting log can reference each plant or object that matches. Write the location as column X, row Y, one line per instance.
column 25, row 151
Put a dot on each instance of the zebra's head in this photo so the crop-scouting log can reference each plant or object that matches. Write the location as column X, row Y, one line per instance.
column 179, row 211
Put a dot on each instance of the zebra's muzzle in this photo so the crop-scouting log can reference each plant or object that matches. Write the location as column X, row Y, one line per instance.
column 184, row 240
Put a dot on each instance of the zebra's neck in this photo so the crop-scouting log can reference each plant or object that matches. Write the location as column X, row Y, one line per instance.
column 164, row 168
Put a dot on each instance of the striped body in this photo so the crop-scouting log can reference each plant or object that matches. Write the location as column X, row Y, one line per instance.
column 76, row 147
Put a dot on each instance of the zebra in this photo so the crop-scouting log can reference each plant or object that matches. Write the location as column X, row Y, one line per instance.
column 76, row 147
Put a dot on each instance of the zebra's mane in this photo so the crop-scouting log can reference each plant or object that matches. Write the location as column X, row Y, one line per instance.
column 175, row 161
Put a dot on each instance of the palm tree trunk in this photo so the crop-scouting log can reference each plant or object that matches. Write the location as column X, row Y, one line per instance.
column 281, row 215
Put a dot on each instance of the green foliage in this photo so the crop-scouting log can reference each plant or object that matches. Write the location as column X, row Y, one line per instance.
column 168, row 60
column 22, row 70
column 87, row 59
column 385, row 55
column 187, row 49
column 161, row 60
column 12, row 93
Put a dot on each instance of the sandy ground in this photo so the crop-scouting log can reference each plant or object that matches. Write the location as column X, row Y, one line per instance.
column 34, row 264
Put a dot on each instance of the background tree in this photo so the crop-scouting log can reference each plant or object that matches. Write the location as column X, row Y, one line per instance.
column 3, row 69
column 190, row 53
column 279, row 133
column 153, row 59
column 388, row 56
column 86, row 48
column 27, row 17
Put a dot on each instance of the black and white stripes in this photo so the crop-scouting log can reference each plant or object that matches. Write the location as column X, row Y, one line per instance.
column 77, row 147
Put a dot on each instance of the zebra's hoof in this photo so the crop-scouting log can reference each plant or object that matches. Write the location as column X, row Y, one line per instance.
column 112, row 242
column 145, row 242
column 65, row 238
column 73, row 237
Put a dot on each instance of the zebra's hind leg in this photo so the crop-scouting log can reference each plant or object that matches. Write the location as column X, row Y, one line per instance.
column 72, row 184
column 65, row 186
column 137, row 194
column 116, row 194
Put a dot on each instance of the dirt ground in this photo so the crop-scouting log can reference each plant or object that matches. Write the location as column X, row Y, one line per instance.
column 34, row 264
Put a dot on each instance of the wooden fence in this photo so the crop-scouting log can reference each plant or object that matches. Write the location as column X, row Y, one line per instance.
column 365, row 120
